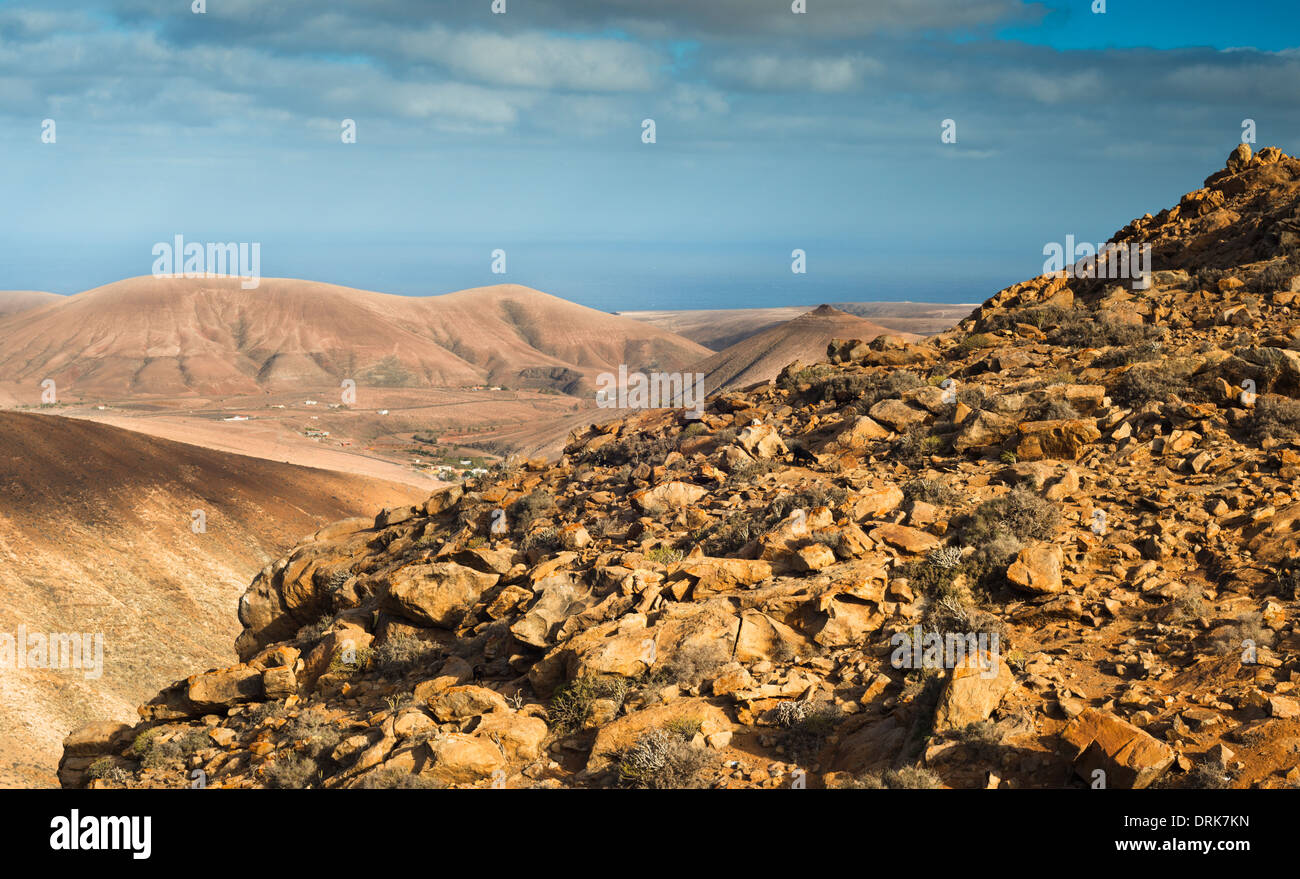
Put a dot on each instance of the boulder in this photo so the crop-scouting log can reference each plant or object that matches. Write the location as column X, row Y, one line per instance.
column 911, row 540
column 458, row 703
column 1130, row 757
column 438, row 594
column 1063, row 439
column 667, row 497
column 972, row 691
column 762, row 441
column 1038, row 568
column 897, row 414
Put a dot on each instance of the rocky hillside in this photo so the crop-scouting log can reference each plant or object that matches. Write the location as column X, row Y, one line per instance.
column 1103, row 478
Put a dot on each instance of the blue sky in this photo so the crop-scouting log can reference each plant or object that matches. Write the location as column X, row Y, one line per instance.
column 522, row 132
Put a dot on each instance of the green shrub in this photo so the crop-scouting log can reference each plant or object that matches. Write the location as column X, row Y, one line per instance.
column 665, row 555
column 106, row 769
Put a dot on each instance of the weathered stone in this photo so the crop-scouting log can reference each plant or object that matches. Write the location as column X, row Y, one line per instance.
column 907, row 539
column 1129, row 757
column 437, row 594
column 1038, row 568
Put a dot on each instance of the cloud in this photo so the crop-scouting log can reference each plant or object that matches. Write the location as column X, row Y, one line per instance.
column 765, row 72
column 535, row 60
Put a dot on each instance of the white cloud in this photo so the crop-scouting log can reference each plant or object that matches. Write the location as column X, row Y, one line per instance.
column 539, row 61
column 765, row 72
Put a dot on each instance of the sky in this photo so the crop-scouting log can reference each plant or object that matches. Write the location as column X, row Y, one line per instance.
column 522, row 132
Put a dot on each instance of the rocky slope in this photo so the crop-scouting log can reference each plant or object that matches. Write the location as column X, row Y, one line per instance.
column 1103, row 478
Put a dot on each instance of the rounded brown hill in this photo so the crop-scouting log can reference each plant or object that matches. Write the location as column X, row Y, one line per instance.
column 96, row 530
column 762, row 357
column 168, row 336
column 14, row 301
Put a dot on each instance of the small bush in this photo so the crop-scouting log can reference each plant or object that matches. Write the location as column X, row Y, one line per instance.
column 162, row 755
column 141, row 744
column 528, row 509
column 663, row 759
column 349, row 661
column 806, row 499
column 1143, row 352
column 396, row 779
column 1274, row 418
column 319, row 734
column 690, row 666
column 571, row 704
column 1150, row 384
column 665, row 555
column 906, row 778
column 806, row 727
column 1209, row 775
column 313, row 632
column 193, row 741
column 973, row 342
column 1189, row 605
column 291, row 772
column 1249, row 627
column 399, row 655
column 1079, row 328
column 930, row 491
column 543, row 540
column 106, row 769
column 1016, row 514
column 1052, row 410
column 917, row 445
column 1288, row 580
column 1275, row 277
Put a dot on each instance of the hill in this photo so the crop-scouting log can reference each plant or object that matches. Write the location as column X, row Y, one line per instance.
column 761, row 357
column 176, row 336
column 96, row 536
column 1061, row 538
column 14, row 301
column 718, row 329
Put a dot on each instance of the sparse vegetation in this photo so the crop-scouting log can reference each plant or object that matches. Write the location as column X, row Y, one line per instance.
column 291, row 772
column 402, row 654
column 904, row 778
column 571, row 704
column 664, row 759
column 396, row 779
column 1274, row 418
